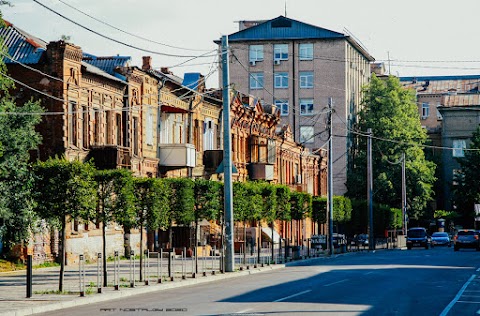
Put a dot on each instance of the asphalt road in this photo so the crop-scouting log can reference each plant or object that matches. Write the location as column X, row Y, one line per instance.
column 437, row 281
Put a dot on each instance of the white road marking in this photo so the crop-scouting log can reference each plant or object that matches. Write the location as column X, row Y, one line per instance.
column 286, row 298
column 478, row 269
column 244, row 311
column 336, row 282
column 456, row 298
column 478, row 312
column 368, row 273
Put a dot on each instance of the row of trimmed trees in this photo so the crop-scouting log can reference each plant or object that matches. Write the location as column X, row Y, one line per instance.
column 66, row 190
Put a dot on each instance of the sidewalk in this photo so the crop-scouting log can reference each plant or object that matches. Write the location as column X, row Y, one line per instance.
column 13, row 289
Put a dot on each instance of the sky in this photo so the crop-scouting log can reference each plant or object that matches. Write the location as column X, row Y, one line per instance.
column 412, row 37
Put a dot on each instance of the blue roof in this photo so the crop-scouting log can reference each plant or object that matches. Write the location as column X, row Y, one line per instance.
column 107, row 64
column 191, row 80
column 282, row 28
column 438, row 78
column 22, row 47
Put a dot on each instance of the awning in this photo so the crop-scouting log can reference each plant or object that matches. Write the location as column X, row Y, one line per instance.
column 268, row 231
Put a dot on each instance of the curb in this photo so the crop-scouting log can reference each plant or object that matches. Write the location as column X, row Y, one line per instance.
column 79, row 301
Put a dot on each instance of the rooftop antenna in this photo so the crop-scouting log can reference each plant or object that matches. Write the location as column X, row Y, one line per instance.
column 285, row 8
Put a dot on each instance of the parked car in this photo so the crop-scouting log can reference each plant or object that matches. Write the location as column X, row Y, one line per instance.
column 441, row 239
column 361, row 240
column 417, row 237
column 466, row 238
column 339, row 240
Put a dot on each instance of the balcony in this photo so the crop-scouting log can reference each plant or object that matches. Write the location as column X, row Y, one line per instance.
column 110, row 157
column 212, row 159
column 177, row 155
column 260, row 171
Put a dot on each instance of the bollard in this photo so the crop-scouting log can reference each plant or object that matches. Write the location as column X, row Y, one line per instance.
column 171, row 265
column 204, row 252
column 29, row 275
column 132, row 268
column 99, row 272
column 214, row 258
column 194, row 259
column 159, row 266
column 81, row 275
column 184, row 255
column 146, row 267
column 116, row 271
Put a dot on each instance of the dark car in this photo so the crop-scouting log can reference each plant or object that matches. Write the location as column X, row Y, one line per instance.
column 417, row 237
column 361, row 240
column 441, row 239
column 466, row 238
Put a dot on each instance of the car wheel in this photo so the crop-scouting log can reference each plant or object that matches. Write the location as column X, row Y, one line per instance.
column 455, row 248
column 409, row 247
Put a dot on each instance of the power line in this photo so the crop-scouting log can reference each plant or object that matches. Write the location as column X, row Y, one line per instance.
column 125, row 32
column 115, row 40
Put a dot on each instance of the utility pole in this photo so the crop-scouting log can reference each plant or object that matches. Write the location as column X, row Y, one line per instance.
column 227, row 162
column 371, row 239
column 330, row 178
column 404, row 196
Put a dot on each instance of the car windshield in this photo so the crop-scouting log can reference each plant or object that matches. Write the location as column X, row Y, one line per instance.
column 439, row 235
column 416, row 233
column 466, row 233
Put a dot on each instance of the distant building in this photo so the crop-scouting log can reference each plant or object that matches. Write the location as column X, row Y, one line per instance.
column 300, row 68
column 448, row 108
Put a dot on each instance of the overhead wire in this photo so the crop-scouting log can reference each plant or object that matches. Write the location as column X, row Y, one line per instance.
column 126, row 32
column 118, row 41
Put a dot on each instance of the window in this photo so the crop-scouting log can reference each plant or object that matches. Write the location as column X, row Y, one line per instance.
column 208, row 135
column 85, row 126
column 425, row 110
column 281, row 80
column 306, row 106
column 306, row 80
column 73, row 123
column 135, row 135
column 306, row 51
column 255, row 54
column 283, row 106
column 280, row 52
column 97, row 127
column 256, row 80
column 458, row 146
column 149, row 131
column 306, row 134
column 119, row 129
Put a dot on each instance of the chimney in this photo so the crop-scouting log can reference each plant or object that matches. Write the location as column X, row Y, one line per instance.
column 165, row 70
column 147, row 63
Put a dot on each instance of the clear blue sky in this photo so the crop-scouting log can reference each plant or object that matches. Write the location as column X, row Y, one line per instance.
column 420, row 38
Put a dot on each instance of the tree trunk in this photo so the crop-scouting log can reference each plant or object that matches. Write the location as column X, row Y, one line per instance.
column 141, row 252
column 62, row 262
column 195, row 246
column 104, row 258
column 273, row 240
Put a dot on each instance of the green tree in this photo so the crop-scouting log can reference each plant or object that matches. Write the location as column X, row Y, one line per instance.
column 182, row 210
column 466, row 193
column 392, row 114
column 151, row 207
column 268, row 193
column 115, row 203
column 17, row 138
column 65, row 190
column 301, row 208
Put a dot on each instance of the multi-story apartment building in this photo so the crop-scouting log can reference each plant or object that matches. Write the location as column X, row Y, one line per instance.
column 155, row 124
column 301, row 69
column 448, row 110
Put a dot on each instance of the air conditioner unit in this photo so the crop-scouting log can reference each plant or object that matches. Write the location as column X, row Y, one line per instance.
column 277, row 62
column 298, row 178
column 252, row 62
